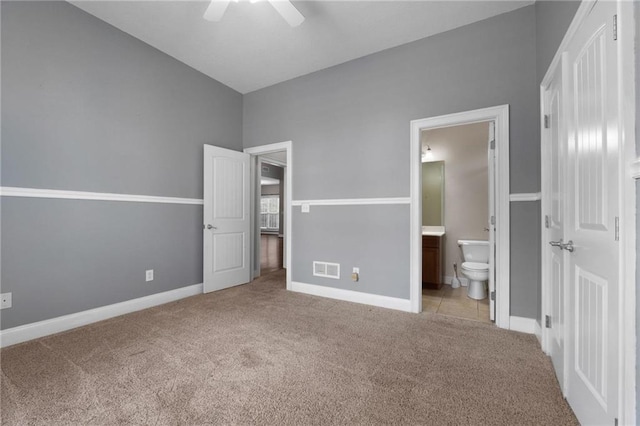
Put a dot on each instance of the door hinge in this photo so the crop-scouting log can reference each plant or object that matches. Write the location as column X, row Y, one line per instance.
column 547, row 121
column 493, row 220
column 547, row 321
column 492, row 144
column 546, row 221
column 615, row 27
column 617, row 228
column 493, row 295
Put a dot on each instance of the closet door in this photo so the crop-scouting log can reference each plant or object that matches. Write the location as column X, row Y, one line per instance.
column 591, row 250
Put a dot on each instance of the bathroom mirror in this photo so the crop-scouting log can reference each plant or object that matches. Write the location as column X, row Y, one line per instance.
column 433, row 193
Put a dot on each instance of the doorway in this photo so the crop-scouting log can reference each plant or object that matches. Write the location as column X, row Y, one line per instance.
column 271, row 225
column 456, row 166
column 498, row 223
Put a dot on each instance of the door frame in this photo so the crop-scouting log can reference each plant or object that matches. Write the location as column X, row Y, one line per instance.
column 499, row 115
column 629, row 171
column 267, row 149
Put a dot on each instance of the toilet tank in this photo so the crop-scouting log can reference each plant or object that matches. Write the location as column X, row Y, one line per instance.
column 475, row 250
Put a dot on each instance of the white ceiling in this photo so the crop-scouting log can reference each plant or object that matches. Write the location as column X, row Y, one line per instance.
column 253, row 47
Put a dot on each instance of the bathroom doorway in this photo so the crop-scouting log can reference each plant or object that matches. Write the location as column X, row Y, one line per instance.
column 434, row 248
column 455, row 208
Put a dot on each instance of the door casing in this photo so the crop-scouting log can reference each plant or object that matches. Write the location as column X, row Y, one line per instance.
column 499, row 115
column 267, row 149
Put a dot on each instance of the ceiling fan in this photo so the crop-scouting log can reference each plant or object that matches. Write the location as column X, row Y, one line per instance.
column 288, row 11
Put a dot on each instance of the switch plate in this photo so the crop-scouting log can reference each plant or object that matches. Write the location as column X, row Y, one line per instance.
column 149, row 275
column 305, row 208
column 5, row 300
column 356, row 270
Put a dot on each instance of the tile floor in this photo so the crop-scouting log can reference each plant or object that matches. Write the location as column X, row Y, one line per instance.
column 454, row 302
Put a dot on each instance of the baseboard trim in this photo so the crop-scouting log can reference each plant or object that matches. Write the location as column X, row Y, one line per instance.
column 464, row 282
column 9, row 191
column 523, row 325
column 352, row 296
column 39, row 329
column 538, row 332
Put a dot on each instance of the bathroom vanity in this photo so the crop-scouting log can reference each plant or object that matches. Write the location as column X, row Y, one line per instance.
column 432, row 247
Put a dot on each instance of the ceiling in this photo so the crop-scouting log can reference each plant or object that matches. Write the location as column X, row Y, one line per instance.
column 253, row 47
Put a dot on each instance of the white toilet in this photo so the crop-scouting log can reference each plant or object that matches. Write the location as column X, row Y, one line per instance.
column 475, row 266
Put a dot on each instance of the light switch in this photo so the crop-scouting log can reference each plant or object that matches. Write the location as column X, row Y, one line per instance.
column 305, row 208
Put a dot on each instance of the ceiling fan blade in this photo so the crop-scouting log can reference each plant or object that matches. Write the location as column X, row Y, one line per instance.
column 288, row 12
column 216, row 10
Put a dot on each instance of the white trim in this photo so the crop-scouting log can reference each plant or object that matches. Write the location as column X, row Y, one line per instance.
column 634, row 169
column 353, row 296
column 39, row 329
column 10, row 191
column 523, row 325
column 288, row 191
column 500, row 115
column 538, row 332
column 533, row 196
column 627, row 27
column 353, row 201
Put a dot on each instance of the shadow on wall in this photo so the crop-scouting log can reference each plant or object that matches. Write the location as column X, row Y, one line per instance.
column 463, row 150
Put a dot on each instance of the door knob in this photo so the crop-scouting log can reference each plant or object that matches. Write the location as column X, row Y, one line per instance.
column 557, row 243
column 210, row 226
column 568, row 246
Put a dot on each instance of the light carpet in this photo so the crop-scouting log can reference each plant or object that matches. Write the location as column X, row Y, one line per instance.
column 257, row 354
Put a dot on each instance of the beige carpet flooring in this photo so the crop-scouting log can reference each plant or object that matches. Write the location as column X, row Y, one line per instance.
column 257, row 354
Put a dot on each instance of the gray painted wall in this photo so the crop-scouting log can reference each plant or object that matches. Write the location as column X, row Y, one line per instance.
column 350, row 130
column 552, row 22
column 88, row 107
column 373, row 239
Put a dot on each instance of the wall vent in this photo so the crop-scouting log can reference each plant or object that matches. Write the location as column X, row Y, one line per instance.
column 326, row 270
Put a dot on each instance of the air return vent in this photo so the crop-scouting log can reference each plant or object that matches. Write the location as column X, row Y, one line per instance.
column 326, row 270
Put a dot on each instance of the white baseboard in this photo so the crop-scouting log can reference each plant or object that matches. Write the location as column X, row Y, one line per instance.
column 538, row 332
column 353, row 296
column 523, row 325
column 38, row 329
column 464, row 282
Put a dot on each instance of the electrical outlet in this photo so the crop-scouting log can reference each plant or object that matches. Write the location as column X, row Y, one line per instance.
column 5, row 300
column 149, row 275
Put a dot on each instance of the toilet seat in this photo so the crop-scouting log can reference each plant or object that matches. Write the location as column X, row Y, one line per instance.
column 475, row 266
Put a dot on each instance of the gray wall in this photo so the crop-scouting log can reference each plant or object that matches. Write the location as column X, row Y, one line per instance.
column 87, row 107
column 350, row 130
column 552, row 21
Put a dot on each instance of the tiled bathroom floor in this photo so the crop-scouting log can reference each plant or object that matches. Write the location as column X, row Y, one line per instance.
column 454, row 302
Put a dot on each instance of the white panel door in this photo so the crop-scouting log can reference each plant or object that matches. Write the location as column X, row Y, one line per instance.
column 227, row 218
column 492, row 226
column 555, row 220
column 593, row 266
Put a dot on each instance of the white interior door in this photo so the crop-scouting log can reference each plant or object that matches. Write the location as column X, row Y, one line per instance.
column 593, row 266
column 492, row 222
column 227, row 218
column 555, row 220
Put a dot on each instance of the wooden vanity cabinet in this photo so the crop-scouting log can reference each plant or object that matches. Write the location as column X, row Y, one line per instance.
column 432, row 261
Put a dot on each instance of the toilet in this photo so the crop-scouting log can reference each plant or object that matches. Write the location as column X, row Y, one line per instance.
column 475, row 266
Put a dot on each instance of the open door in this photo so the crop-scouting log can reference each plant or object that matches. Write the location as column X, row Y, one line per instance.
column 227, row 219
column 492, row 220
